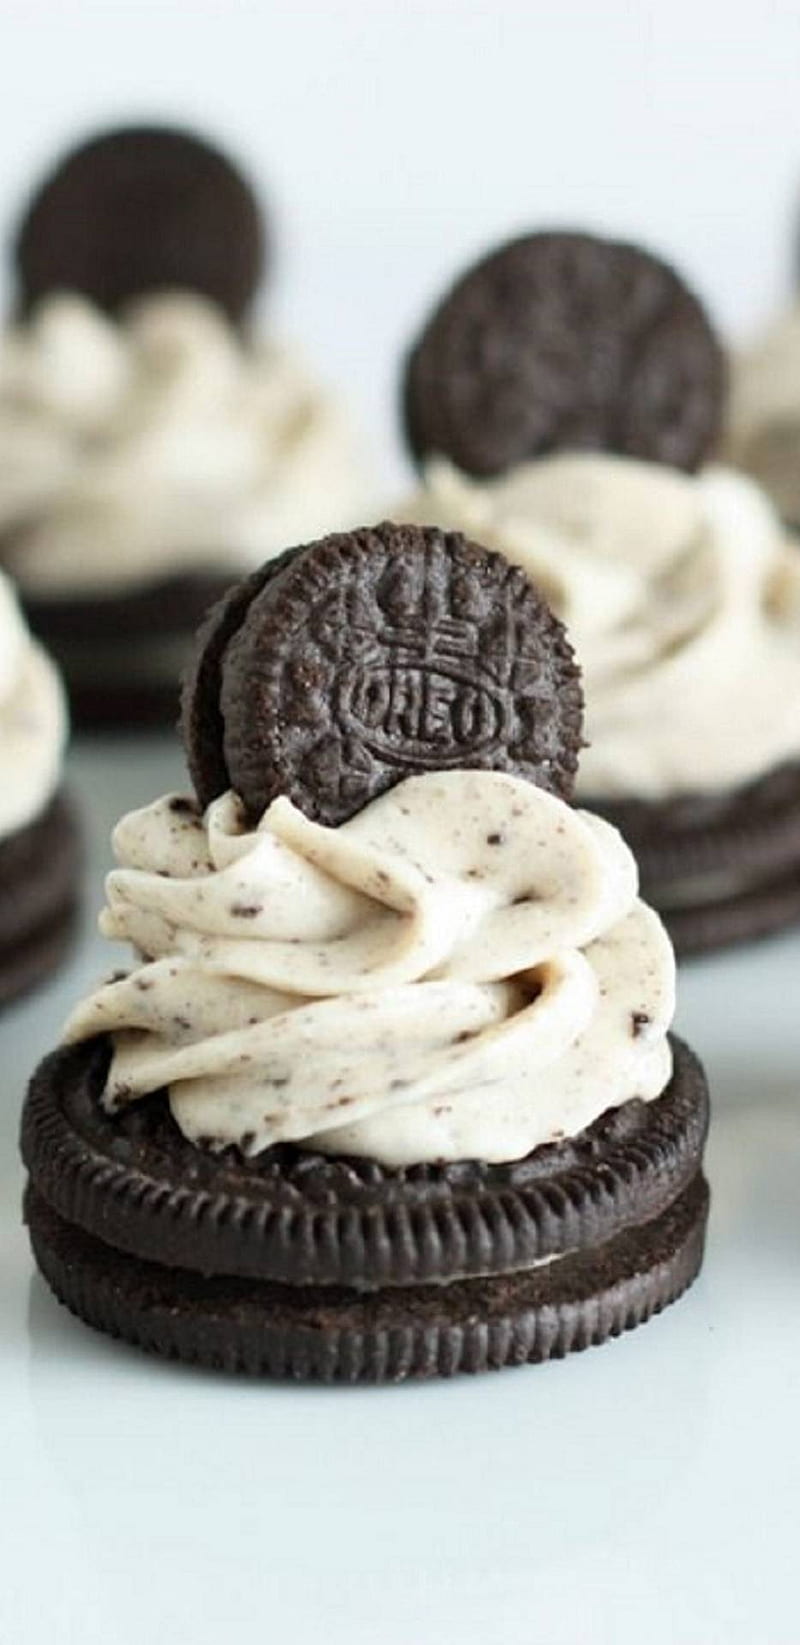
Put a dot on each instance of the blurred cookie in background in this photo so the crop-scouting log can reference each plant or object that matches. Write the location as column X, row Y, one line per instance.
column 152, row 446
column 562, row 403
column 144, row 208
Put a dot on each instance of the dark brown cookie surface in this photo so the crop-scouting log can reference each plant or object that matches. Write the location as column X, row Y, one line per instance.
column 373, row 655
column 332, row 1335
column 563, row 341
column 202, row 723
column 302, row 1219
column 143, row 209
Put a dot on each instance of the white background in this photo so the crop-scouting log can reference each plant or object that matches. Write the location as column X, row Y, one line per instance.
column 397, row 138
column 643, row 1492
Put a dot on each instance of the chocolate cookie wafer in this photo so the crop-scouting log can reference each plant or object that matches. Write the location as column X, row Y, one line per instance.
column 328, row 1335
column 143, row 209
column 298, row 1217
column 565, row 341
column 202, row 722
column 374, row 654
column 342, row 1270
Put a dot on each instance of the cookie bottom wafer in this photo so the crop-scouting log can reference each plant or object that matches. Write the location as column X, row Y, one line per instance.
column 334, row 1335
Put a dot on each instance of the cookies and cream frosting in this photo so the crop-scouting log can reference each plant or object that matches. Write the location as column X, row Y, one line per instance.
column 33, row 720
column 138, row 450
column 462, row 970
column 763, row 433
column 680, row 595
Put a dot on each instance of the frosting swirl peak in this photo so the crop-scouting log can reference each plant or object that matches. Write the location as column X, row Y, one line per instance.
column 133, row 450
column 393, row 987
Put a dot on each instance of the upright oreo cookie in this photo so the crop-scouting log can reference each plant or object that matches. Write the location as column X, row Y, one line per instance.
column 565, row 341
column 143, row 209
column 374, row 654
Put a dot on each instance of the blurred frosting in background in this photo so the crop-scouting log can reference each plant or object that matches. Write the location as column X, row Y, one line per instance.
column 148, row 435
column 680, row 594
column 137, row 448
column 153, row 446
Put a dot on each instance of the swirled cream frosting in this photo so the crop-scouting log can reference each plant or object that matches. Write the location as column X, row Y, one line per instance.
column 33, row 720
column 463, row 970
column 681, row 596
column 162, row 444
column 763, row 433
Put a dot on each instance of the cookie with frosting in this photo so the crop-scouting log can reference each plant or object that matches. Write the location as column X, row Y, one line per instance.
column 679, row 588
column 39, row 853
column 389, row 1091
column 152, row 446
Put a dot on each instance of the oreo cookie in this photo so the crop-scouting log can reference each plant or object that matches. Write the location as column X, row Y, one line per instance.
column 295, row 1265
column 39, row 897
column 374, row 654
column 329, row 676
column 565, row 341
column 140, row 209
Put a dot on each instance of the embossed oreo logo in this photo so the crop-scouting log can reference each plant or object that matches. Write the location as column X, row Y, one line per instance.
column 381, row 652
column 419, row 714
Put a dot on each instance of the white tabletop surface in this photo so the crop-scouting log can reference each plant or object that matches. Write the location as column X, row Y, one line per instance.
column 646, row 1491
